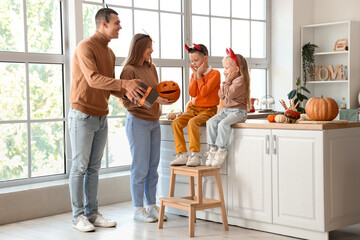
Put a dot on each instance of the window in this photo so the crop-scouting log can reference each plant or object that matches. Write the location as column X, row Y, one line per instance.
column 31, row 89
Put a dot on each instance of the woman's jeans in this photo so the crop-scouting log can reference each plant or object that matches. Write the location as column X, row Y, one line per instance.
column 144, row 140
column 88, row 135
column 218, row 127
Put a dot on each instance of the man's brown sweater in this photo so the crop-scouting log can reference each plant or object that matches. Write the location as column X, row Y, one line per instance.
column 93, row 73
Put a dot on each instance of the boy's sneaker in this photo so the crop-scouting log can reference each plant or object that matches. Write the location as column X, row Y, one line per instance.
column 82, row 224
column 154, row 212
column 193, row 160
column 143, row 216
column 219, row 158
column 99, row 221
column 210, row 157
column 180, row 159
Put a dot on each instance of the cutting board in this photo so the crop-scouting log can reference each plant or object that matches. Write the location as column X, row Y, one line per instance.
column 324, row 122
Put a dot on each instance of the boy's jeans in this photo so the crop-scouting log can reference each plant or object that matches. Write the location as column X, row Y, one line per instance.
column 88, row 135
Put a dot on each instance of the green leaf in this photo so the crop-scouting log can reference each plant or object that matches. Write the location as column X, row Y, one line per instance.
column 300, row 109
column 305, row 89
column 300, row 97
column 292, row 94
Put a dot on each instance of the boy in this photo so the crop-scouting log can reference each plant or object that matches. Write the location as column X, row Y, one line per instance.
column 204, row 87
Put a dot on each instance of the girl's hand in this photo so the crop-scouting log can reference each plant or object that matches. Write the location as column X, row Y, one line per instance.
column 231, row 76
column 164, row 101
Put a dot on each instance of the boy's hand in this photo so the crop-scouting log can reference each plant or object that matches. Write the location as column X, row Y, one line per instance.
column 201, row 70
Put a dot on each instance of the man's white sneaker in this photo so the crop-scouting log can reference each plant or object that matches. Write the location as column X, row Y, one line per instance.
column 143, row 216
column 219, row 158
column 154, row 212
column 99, row 221
column 180, row 159
column 193, row 160
column 210, row 157
column 82, row 224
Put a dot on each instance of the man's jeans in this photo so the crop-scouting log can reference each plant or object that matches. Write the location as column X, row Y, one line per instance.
column 88, row 135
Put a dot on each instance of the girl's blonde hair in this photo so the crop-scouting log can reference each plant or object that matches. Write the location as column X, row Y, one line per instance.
column 244, row 71
column 137, row 48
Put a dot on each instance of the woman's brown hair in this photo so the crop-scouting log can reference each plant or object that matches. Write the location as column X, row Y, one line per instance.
column 137, row 48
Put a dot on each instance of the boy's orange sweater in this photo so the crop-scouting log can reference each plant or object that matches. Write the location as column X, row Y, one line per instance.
column 205, row 90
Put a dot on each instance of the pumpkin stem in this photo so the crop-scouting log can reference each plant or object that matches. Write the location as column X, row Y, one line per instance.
column 321, row 96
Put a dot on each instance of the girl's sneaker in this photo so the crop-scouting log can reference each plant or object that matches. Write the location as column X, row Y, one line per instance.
column 219, row 158
column 210, row 157
column 144, row 216
column 154, row 212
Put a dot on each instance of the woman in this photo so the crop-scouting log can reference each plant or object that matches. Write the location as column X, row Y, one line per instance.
column 143, row 130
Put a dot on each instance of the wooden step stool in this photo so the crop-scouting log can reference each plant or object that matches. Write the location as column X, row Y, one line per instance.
column 193, row 203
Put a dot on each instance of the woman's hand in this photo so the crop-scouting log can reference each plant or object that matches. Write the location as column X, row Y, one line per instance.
column 164, row 101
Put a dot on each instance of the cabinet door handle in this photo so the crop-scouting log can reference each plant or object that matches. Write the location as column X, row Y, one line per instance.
column 267, row 144
column 274, row 144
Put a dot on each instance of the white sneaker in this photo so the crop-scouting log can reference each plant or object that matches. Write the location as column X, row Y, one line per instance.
column 154, row 212
column 180, row 159
column 82, row 224
column 99, row 221
column 143, row 216
column 193, row 160
column 210, row 157
column 219, row 158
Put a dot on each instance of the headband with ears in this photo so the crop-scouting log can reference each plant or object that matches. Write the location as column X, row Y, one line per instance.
column 196, row 48
column 231, row 53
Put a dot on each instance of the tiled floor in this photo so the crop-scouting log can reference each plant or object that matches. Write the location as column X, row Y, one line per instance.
column 59, row 227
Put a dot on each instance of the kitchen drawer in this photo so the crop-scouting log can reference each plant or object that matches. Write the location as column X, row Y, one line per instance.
column 167, row 133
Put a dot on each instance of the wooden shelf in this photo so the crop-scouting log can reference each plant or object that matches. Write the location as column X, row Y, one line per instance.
column 328, row 82
column 330, row 53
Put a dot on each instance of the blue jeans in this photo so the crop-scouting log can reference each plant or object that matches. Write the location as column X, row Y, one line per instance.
column 88, row 136
column 144, row 140
column 218, row 127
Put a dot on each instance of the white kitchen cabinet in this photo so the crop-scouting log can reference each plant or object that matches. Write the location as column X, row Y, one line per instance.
column 325, row 35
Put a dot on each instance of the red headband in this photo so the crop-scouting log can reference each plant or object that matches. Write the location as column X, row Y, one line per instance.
column 231, row 53
column 196, row 48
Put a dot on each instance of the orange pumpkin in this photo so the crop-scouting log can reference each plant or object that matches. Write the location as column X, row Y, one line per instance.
column 321, row 109
column 169, row 90
column 271, row 118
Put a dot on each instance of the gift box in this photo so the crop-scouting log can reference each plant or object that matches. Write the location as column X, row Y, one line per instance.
column 148, row 97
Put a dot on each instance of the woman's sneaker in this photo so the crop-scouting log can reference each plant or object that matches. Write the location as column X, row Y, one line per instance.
column 193, row 160
column 154, row 212
column 99, row 221
column 144, row 216
column 180, row 159
column 82, row 224
column 210, row 157
column 219, row 158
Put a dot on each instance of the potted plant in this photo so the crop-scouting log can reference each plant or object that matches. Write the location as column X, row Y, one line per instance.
column 296, row 95
column 308, row 60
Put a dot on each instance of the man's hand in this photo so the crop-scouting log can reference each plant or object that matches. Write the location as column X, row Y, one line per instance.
column 133, row 89
column 164, row 101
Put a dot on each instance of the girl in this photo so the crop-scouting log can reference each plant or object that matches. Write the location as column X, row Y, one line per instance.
column 143, row 130
column 235, row 98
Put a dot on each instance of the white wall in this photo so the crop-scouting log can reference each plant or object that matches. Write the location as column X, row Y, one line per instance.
column 336, row 10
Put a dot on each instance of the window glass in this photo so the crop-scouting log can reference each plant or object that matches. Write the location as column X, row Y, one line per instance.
column 258, row 9
column 171, row 46
column 46, row 91
column 115, row 105
column 240, row 8
column 173, row 74
column 200, row 6
column 12, row 91
column 121, row 45
column 258, row 39
column 44, row 27
column 117, row 2
column 13, row 151
column 220, row 8
column 149, row 4
column 11, row 20
column 149, row 22
column 220, row 36
column 241, row 37
column 47, row 148
column 170, row 5
column 258, row 83
column 200, row 30
column 89, row 26
column 118, row 146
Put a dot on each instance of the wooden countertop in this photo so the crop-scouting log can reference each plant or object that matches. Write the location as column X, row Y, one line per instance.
column 264, row 124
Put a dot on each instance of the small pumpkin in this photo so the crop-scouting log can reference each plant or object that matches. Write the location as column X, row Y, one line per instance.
column 321, row 109
column 280, row 118
column 171, row 116
column 271, row 118
column 169, row 90
column 291, row 116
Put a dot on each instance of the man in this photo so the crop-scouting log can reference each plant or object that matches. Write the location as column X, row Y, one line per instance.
column 92, row 83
